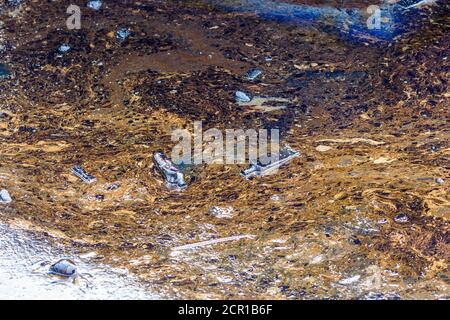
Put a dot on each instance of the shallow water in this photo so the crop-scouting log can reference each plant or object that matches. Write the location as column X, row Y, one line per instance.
column 370, row 122
column 24, row 265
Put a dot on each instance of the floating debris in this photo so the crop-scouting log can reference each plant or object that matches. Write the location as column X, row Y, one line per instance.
column 95, row 4
column 5, row 197
column 354, row 140
column 174, row 177
column 258, row 169
column 64, row 48
column 350, row 280
column 63, row 268
column 83, row 175
column 4, row 71
column 122, row 34
column 242, row 97
column 253, row 74
column 221, row 212
column 412, row 3
column 262, row 104
column 401, row 218
column 212, row 242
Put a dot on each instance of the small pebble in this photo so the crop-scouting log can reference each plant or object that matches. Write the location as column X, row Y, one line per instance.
column 4, row 196
column 94, row 4
column 322, row 148
column 64, row 48
column 63, row 268
column 122, row 34
column 401, row 218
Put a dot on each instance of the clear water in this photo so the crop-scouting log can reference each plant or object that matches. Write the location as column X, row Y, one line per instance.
column 24, row 263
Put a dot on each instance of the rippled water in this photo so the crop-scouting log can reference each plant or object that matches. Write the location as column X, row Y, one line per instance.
column 24, row 263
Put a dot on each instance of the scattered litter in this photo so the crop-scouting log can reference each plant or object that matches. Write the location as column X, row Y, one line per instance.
column 4, row 196
column 221, row 212
column 401, row 218
column 268, row 58
column 350, row 280
column 83, row 175
column 63, row 268
column 174, row 177
column 95, row 4
column 212, row 242
column 4, row 71
column 258, row 169
column 64, row 48
column 382, row 221
column 259, row 103
column 440, row 181
column 322, row 148
column 242, row 97
column 253, row 74
column 122, row 34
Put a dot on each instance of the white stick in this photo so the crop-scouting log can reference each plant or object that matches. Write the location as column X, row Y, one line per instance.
column 211, row 242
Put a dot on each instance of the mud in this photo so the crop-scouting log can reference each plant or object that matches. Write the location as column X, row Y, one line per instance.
column 370, row 120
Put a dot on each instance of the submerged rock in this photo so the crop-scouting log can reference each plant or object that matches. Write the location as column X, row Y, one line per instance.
column 4, row 196
column 63, row 268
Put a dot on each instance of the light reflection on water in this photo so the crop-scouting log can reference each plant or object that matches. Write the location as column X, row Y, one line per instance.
column 24, row 262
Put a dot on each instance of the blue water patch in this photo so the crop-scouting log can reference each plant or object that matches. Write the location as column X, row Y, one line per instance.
column 4, row 71
column 356, row 24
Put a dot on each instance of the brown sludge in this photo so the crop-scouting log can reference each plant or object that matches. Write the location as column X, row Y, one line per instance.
column 373, row 141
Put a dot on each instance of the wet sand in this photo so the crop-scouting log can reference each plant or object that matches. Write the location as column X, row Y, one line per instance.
column 370, row 120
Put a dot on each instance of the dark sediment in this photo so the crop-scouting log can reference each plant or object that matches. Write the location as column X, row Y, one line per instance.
column 381, row 109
